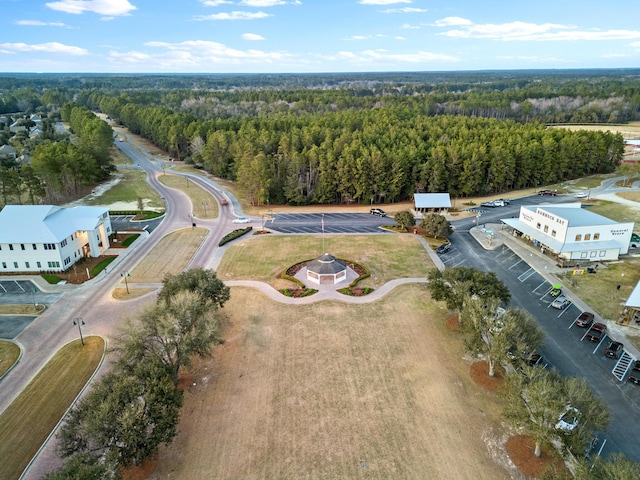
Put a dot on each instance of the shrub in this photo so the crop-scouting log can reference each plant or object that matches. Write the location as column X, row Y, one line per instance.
column 233, row 235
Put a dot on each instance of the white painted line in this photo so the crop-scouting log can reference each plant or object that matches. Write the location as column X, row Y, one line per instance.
column 519, row 261
column 535, row 289
column 599, row 343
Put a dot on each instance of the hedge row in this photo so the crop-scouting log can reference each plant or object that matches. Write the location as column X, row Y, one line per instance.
column 233, row 235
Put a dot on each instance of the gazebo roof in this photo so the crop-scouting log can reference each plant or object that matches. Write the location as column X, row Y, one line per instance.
column 326, row 265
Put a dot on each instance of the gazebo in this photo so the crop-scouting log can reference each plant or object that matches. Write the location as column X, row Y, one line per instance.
column 326, row 269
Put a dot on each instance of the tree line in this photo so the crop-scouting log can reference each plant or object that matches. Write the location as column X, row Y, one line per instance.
column 135, row 407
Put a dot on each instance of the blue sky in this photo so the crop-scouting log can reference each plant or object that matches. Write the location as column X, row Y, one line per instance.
column 260, row 36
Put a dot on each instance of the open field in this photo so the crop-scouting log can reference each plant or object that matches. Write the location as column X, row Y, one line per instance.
column 9, row 354
column 126, row 187
column 31, row 417
column 616, row 211
column 264, row 257
column 203, row 205
column 627, row 130
column 331, row 390
column 156, row 264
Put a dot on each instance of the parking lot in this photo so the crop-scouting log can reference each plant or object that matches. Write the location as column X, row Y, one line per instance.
column 20, row 292
column 310, row 223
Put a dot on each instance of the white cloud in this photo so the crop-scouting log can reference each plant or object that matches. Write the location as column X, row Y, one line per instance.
column 262, row 3
column 524, row 31
column 49, row 47
column 215, row 3
column 407, row 26
column 533, row 59
column 449, row 21
column 383, row 56
column 615, row 55
column 234, row 16
column 38, row 23
column 382, row 2
column 405, row 10
column 252, row 36
column 101, row 7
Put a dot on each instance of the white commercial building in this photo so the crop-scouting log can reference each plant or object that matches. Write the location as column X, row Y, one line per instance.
column 47, row 238
column 573, row 233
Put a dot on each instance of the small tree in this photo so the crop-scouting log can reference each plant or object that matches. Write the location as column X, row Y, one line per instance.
column 84, row 466
column 437, row 225
column 404, row 219
column 140, row 205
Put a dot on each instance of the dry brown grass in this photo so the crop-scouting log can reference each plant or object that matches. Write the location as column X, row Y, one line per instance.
column 170, row 255
column 203, row 204
column 21, row 309
column 134, row 292
column 331, row 390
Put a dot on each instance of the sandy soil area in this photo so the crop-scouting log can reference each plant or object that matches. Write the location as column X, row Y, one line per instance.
column 335, row 391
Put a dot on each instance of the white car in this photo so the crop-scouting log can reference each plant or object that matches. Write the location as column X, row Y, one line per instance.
column 241, row 220
column 581, row 195
column 569, row 419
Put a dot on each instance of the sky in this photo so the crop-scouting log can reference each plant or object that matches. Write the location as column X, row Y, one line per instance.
column 306, row 36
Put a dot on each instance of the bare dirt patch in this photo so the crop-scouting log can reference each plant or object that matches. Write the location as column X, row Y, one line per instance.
column 452, row 323
column 521, row 448
column 330, row 390
column 479, row 372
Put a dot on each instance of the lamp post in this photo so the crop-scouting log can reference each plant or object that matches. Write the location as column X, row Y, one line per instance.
column 79, row 322
column 33, row 298
column 125, row 274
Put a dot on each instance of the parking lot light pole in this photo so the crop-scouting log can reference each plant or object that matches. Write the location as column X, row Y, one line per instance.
column 33, row 298
column 125, row 274
column 79, row 322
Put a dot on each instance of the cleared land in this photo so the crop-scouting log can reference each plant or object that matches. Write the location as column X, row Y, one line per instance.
column 202, row 203
column 156, row 264
column 387, row 257
column 331, row 390
column 127, row 187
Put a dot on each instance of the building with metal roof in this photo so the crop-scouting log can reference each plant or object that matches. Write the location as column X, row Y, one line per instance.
column 432, row 202
column 48, row 238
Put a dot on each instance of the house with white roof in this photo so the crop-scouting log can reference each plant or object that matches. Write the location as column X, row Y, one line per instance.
column 431, row 202
column 48, row 238
column 574, row 234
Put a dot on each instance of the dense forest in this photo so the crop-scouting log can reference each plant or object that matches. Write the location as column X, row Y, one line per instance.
column 364, row 138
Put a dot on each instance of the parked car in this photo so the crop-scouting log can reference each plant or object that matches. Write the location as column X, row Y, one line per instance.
column 581, row 195
column 488, row 204
column 614, row 350
column 596, row 332
column 377, row 211
column 569, row 419
column 548, row 192
column 561, row 302
column 444, row 248
column 556, row 290
column 506, row 201
column 585, row 319
column 241, row 220
column 499, row 203
column 634, row 376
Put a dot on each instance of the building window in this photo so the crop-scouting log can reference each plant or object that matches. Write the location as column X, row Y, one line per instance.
column 35, row 247
column 538, row 226
column 11, row 246
column 553, row 233
column 26, row 264
column 587, row 236
column 546, row 228
column 63, row 243
column 593, row 254
column 15, row 264
column 4, row 264
column 38, row 265
column 602, row 253
column 22, row 246
column 583, row 255
column 578, row 237
column 596, row 236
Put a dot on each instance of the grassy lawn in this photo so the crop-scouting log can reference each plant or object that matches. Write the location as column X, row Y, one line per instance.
column 156, row 264
column 26, row 423
column 387, row 257
column 616, row 211
column 599, row 290
column 132, row 186
column 203, row 204
column 589, row 182
column 9, row 354
column 332, row 391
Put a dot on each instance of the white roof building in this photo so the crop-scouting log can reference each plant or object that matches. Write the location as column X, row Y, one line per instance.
column 431, row 202
column 573, row 233
column 43, row 238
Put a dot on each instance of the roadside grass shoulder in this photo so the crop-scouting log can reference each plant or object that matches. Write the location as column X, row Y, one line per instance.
column 9, row 354
column 203, row 204
column 32, row 416
column 133, row 185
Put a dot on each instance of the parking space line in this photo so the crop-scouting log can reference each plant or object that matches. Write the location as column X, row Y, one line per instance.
column 19, row 286
column 599, row 343
column 522, row 277
column 564, row 310
column 2, row 287
column 574, row 322
column 519, row 261
column 457, row 264
column 535, row 289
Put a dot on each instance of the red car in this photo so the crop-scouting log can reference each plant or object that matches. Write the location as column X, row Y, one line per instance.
column 585, row 319
column 634, row 376
column 597, row 331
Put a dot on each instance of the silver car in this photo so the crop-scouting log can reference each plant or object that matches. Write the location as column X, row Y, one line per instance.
column 561, row 302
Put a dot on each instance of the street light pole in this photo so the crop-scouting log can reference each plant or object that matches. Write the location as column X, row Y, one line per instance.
column 33, row 297
column 125, row 274
column 79, row 322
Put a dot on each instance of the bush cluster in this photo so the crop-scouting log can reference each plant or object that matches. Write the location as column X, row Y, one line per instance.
column 233, row 235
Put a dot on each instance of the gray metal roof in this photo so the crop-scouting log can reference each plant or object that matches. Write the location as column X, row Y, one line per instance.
column 326, row 265
column 46, row 223
column 432, row 200
column 634, row 298
column 576, row 216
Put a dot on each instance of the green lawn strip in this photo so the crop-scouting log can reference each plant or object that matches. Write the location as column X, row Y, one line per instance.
column 589, row 182
column 263, row 258
column 599, row 290
column 130, row 240
column 32, row 416
column 616, row 211
column 202, row 202
column 102, row 265
column 132, row 186
column 51, row 279
column 9, row 354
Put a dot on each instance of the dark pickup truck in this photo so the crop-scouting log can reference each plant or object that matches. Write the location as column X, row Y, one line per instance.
column 596, row 332
column 548, row 192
